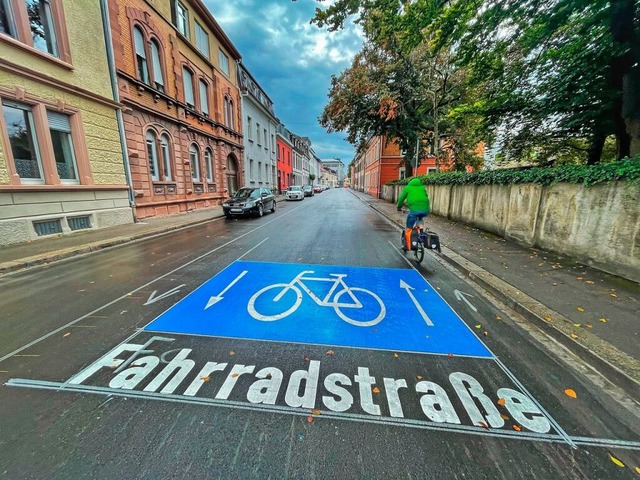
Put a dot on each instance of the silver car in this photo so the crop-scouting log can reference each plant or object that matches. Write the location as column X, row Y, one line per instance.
column 294, row 193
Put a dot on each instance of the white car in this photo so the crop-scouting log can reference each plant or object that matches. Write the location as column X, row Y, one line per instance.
column 294, row 193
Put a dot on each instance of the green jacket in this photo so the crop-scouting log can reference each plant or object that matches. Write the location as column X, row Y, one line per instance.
column 416, row 196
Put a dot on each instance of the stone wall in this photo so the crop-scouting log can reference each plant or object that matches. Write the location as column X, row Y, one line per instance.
column 598, row 225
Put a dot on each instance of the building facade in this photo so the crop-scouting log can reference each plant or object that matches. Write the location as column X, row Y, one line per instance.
column 260, row 129
column 337, row 166
column 61, row 158
column 284, row 155
column 301, row 146
column 178, row 84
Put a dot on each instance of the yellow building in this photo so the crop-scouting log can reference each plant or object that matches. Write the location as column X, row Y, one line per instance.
column 61, row 157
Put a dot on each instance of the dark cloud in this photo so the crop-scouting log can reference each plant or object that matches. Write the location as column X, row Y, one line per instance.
column 292, row 60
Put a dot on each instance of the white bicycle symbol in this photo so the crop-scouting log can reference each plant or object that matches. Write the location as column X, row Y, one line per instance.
column 297, row 284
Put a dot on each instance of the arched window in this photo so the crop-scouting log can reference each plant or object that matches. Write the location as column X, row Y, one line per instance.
column 232, row 123
column 187, row 81
column 208, row 160
column 194, row 158
column 152, row 155
column 225, row 111
column 204, row 96
column 141, row 55
column 158, row 77
column 166, row 156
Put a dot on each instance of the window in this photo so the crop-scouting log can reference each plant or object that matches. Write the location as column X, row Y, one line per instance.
column 260, row 171
column 208, row 160
column 202, row 40
column 224, row 62
column 24, row 144
column 249, row 129
column 194, row 158
column 258, row 134
column 187, row 80
column 273, row 144
column 7, row 25
column 60, row 129
column 231, row 115
column 166, row 157
column 182, row 19
column 158, row 78
column 141, row 56
column 152, row 155
column 225, row 111
column 251, row 170
column 204, row 97
column 43, row 32
column 266, row 147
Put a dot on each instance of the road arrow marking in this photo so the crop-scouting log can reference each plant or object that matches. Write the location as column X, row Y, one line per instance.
column 424, row 315
column 154, row 299
column 217, row 298
column 461, row 296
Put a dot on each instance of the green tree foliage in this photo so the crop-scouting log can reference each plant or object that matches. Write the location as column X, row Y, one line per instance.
column 546, row 79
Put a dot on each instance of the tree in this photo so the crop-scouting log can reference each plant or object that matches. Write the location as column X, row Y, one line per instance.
column 312, row 177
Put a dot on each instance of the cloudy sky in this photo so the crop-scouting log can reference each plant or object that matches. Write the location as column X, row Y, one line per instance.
column 292, row 60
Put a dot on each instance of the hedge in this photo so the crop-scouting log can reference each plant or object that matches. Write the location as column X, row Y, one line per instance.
column 627, row 169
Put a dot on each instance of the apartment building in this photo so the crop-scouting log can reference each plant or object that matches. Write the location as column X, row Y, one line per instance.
column 284, row 158
column 177, row 82
column 62, row 167
column 260, row 125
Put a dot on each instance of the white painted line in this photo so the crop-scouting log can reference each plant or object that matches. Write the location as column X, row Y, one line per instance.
column 122, row 297
column 327, row 414
column 168, row 293
column 215, row 299
column 421, row 311
column 462, row 296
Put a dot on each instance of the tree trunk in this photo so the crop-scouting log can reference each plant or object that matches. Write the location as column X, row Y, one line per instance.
column 594, row 153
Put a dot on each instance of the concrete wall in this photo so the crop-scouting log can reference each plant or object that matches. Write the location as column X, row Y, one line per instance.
column 598, row 225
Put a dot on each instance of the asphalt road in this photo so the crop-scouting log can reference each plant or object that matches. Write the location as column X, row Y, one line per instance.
column 302, row 344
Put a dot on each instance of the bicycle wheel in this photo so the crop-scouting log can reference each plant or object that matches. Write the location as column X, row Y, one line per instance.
column 367, row 305
column 268, row 308
column 418, row 253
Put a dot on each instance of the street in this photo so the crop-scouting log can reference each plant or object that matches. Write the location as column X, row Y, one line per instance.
column 302, row 344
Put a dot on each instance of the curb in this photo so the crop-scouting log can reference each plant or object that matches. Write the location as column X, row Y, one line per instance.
column 627, row 378
column 62, row 254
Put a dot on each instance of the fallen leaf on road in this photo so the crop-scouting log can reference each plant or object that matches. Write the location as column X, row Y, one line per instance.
column 505, row 417
column 570, row 393
column 637, row 469
column 616, row 461
column 232, row 353
column 306, row 359
column 577, row 324
column 205, row 379
column 498, row 317
column 590, row 282
column 574, row 336
column 376, row 390
column 579, row 278
column 548, row 318
column 486, row 334
column 450, row 355
column 315, row 411
column 588, row 325
column 395, row 355
column 482, row 424
column 309, row 419
column 479, row 326
column 419, row 377
column 603, row 320
column 235, row 375
column 501, row 402
column 614, row 295
column 516, row 428
column 330, row 352
column 581, row 309
column 66, row 334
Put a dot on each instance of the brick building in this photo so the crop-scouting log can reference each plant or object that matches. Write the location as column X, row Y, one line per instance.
column 177, row 81
column 61, row 157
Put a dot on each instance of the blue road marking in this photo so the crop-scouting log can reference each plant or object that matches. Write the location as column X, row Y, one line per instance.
column 381, row 308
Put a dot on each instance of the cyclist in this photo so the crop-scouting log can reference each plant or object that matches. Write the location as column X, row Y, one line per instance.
column 416, row 197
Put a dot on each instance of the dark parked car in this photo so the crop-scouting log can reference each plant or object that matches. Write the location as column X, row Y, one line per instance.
column 249, row 201
column 308, row 190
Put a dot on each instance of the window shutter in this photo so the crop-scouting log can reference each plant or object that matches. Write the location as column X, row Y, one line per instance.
column 59, row 121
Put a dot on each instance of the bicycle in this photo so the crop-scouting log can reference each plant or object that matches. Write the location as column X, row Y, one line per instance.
column 297, row 285
column 421, row 241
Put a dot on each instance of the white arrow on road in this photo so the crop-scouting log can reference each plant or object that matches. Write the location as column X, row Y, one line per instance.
column 461, row 296
column 424, row 315
column 154, row 299
column 217, row 298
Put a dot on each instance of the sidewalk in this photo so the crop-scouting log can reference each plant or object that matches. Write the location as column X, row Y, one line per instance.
column 594, row 314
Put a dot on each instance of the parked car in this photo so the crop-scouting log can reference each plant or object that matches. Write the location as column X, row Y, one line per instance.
column 308, row 190
column 294, row 193
column 249, row 201
column 317, row 189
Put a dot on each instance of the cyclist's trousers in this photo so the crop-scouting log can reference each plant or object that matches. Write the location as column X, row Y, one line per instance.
column 413, row 217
